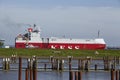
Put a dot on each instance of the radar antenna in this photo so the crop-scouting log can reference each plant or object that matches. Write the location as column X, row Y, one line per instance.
column 34, row 25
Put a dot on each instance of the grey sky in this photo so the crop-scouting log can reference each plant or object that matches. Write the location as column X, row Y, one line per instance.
column 74, row 19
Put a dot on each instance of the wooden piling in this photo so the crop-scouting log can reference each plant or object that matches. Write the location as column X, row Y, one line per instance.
column 31, row 74
column 70, row 72
column 114, row 64
column 87, row 65
column 70, row 65
column 3, row 63
column 28, row 63
column 52, row 62
column 78, row 64
column 95, row 67
column 112, row 75
column 20, row 69
column 34, row 74
column 117, row 75
column 82, row 65
column 35, row 64
column 71, row 75
column 8, row 64
column 112, row 67
column 61, row 64
column 76, row 75
column 57, row 64
column 117, row 59
column 45, row 66
column 106, row 63
column 26, row 74
column 79, row 75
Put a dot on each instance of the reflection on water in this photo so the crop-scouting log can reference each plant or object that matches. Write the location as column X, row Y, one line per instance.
column 54, row 75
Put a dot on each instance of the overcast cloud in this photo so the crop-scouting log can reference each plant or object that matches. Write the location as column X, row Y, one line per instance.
column 71, row 21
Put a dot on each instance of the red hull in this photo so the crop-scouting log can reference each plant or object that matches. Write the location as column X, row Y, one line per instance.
column 62, row 46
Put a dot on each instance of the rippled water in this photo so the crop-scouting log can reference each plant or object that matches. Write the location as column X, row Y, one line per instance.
column 54, row 75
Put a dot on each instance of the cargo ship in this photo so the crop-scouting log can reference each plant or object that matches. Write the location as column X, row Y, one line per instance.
column 33, row 39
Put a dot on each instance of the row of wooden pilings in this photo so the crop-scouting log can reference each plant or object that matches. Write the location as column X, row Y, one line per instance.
column 108, row 62
column 32, row 70
column 7, row 61
column 57, row 64
column 83, row 64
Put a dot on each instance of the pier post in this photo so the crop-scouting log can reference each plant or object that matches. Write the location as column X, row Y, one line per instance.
column 52, row 62
column 57, row 64
column 78, row 64
column 34, row 74
column 70, row 68
column 70, row 65
column 71, row 75
column 106, row 63
column 117, row 75
column 112, row 75
column 34, row 63
column 79, row 75
column 114, row 64
column 20, row 69
column 31, row 74
column 28, row 63
column 7, row 63
column 3, row 63
column 117, row 59
column 82, row 65
column 45, row 65
column 26, row 74
column 112, row 67
column 76, row 75
column 95, row 67
column 34, row 68
column 61, row 64
column 87, row 65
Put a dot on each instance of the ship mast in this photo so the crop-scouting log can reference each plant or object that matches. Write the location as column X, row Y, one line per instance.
column 98, row 33
column 34, row 26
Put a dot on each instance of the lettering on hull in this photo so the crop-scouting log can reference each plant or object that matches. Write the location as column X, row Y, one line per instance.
column 64, row 47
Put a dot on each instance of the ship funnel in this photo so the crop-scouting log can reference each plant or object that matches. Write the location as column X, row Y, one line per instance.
column 30, row 29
